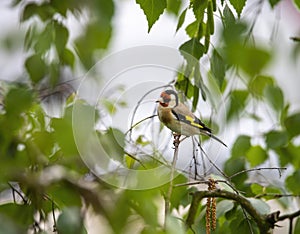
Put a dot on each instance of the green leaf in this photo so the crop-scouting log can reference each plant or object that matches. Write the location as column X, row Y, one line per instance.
column 256, row 189
column 63, row 133
column 194, row 29
column 18, row 100
column 217, row 65
column 241, row 145
column 235, row 165
column 36, row 68
column 116, row 138
column 297, row 225
column 289, row 154
column 44, row 39
column 199, row 7
column 261, row 206
column 29, row 10
column 223, row 207
column 229, row 18
column 210, row 24
column 181, row 19
column 238, row 5
column 9, row 226
column 273, row 3
column 297, row 3
column 256, row 155
column 292, row 125
column 292, row 182
column 251, row 59
column 275, row 139
column 96, row 36
column 274, row 96
column 195, row 98
column 61, row 36
column 237, row 103
column 258, row 84
column 173, row 6
column 192, row 48
column 70, row 221
column 152, row 9
column 22, row 215
column 67, row 57
column 64, row 196
column 44, row 141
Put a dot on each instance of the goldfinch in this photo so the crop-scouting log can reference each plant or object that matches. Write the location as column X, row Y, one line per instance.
column 177, row 117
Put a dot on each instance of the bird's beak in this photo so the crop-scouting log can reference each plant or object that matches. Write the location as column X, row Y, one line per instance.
column 160, row 100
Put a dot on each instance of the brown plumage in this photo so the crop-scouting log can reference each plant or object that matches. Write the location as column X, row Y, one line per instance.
column 178, row 118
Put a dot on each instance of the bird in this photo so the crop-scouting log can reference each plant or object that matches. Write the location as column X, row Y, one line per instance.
column 177, row 117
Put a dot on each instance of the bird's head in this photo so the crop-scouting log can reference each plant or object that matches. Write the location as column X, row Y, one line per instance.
column 168, row 98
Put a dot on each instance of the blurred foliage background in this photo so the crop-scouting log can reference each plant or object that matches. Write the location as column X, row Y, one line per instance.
column 45, row 186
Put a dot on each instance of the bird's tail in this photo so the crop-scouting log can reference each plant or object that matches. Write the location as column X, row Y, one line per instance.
column 214, row 137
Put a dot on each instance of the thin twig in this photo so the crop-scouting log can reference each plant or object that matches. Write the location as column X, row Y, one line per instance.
column 258, row 169
column 170, row 190
column 134, row 125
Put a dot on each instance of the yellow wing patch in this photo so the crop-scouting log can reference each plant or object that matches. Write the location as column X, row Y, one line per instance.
column 192, row 122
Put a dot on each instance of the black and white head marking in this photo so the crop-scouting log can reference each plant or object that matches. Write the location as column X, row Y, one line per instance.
column 172, row 98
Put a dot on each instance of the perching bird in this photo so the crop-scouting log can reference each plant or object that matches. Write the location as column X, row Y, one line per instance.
column 177, row 117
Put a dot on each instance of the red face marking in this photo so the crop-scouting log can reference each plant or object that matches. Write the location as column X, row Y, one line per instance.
column 166, row 97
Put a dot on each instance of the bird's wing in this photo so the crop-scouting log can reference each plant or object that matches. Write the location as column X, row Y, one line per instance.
column 183, row 114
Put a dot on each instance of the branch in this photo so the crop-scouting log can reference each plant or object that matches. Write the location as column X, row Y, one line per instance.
column 170, row 190
column 264, row 222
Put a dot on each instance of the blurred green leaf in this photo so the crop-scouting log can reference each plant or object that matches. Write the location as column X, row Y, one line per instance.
column 288, row 154
column 9, row 226
column 292, row 124
column 297, row 225
column 192, row 48
column 63, row 133
column 181, row 19
column 210, row 24
column 238, row 5
column 237, row 103
column 44, row 141
column 297, row 3
column 274, row 96
column 229, row 18
column 61, row 36
column 275, row 139
column 235, row 165
column 258, row 84
column 273, row 3
column 251, row 59
column 36, row 68
column 173, row 6
column 256, row 155
column 241, row 145
column 68, row 58
column 29, row 10
column 64, row 196
column 292, row 182
column 199, row 7
column 217, row 65
column 97, row 35
column 22, row 215
column 18, row 100
column 116, row 138
column 152, row 9
column 70, row 221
